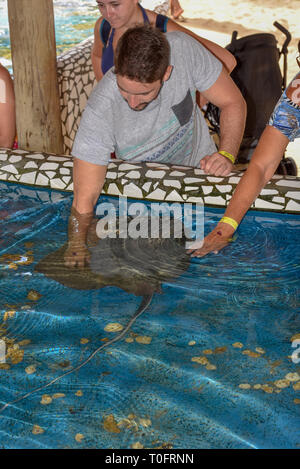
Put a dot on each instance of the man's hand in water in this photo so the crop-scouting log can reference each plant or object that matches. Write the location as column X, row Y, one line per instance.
column 216, row 240
column 76, row 255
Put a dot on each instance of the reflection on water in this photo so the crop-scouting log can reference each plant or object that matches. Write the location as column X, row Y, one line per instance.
column 74, row 22
column 208, row 364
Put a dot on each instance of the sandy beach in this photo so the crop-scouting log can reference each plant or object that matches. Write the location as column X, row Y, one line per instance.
column 247, row 17
column 218, row 19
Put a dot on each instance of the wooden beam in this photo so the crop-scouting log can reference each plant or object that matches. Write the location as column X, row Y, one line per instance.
column 32, row 34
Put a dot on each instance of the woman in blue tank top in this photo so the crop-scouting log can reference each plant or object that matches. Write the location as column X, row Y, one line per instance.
column 119, row 15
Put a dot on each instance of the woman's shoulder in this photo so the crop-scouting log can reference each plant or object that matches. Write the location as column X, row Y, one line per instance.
column 98, row 23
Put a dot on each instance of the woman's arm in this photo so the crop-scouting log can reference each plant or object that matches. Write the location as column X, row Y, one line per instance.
column 222, row 54
column 97, row 51
column 7, row 109
column 262, row 167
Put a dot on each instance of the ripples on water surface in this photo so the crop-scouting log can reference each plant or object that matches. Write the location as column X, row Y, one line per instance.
column 74, row 22
column 207, row 365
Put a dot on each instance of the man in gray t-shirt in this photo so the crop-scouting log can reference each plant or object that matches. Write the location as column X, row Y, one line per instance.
column 145, row 110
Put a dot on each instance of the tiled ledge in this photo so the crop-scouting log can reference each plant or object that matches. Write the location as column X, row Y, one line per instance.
column 148, row 181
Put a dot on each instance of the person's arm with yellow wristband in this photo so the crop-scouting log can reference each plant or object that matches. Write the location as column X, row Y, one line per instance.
column 227, row 97
column 262, row 167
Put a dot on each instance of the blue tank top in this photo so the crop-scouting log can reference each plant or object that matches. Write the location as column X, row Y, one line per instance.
column 107, row 60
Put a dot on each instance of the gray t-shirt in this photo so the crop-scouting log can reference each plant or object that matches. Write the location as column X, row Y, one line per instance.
column 171, row 129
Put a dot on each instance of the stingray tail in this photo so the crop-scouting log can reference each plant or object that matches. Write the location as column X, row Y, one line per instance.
column 141, row 309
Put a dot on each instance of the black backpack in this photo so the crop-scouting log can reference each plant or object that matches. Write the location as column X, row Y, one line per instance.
column 259, row 78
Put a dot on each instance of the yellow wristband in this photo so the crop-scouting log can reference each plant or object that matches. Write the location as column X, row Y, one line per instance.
column 229, row 221
column 227, row 155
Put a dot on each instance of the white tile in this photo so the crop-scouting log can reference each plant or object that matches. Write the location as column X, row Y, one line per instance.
column 192, row 180
column 60, row 159
column 155, row 174
column 181, row 167
column 198, row 200
column 42, row 180
column 10, row 169
column 111, row 175
column 214, row 179
column 214, row 200
column 20, row 152
column 133, row 175
column 31, row 165
column 207, row 189
column 172, row 183
column 269, row 192
column 177, row 173
column 289, row 183
column 131, row 190
column 48, row 166
column 15, row 158
column 35, row 156
column 259, row 203
column 113, row 189
column 65, row 171
column 50, row 174
column 293, row 194
column 157, row 194
column 66, row 179
column 57, row 184
column 293, row 206
column 224, row 188
column 234, row 180
column 28, row 178
column 279, row 200
column 199, row 172
column 174, row 197
column 147, row 186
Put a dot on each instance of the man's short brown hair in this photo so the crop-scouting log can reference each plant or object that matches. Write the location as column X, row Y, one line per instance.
column 142, row 54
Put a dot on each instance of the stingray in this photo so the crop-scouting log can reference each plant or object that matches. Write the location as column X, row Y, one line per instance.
column 137, row 266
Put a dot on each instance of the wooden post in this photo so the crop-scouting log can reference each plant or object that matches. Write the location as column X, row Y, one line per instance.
column 32, row 34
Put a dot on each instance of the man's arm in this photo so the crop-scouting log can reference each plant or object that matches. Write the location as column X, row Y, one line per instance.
column 233, row 110
column 262, row 167
column 88, row 181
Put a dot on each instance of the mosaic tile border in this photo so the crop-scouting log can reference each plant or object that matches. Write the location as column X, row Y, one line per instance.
column 76, row 80
column 148, row 181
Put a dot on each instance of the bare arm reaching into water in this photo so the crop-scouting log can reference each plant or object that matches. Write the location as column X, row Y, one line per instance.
column 264, row 162
column 284, row 126
column 88, row 182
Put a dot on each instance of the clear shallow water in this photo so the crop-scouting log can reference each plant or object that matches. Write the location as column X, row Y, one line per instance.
column 241, row 308
column 74, row 22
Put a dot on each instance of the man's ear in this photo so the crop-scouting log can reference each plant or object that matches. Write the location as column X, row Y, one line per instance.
column 168, row 73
